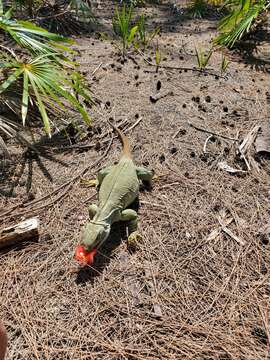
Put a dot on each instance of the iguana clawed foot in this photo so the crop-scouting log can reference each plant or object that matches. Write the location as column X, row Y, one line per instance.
column 89, row 182
column 133, row 241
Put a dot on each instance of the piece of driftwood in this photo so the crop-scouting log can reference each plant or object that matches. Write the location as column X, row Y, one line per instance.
column 24, row 231
column 262, row 142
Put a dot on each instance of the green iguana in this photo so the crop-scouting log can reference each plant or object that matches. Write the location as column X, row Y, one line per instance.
column 118, row 188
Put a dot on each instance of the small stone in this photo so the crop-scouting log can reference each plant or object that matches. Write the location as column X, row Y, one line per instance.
column 173, row 150
column 162, row 158
column 182, row 132
column 260, row 334
column 263, row 269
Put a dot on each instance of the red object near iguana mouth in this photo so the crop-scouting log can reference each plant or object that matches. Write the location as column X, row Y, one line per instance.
column 84, row 257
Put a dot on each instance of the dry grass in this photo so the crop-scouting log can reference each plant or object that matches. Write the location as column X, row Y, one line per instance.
column 213, row 294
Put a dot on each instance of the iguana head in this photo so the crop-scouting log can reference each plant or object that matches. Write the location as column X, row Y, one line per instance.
column 94, row 235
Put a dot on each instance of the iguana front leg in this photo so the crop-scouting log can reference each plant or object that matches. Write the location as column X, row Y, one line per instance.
column 100, row 177
column 102, row 173
column 145, row 174
column 92, row 210
column 133, row 235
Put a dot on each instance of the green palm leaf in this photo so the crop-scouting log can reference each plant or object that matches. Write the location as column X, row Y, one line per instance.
column 32, row 37
column 45, row 82
column 240, row 20
column 25, row 96
column 42, row 79
column 41, row 106
column 13, row 77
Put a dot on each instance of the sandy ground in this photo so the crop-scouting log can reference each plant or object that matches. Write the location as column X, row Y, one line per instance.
column 181, row 294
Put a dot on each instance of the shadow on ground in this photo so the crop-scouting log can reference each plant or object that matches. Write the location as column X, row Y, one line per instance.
column 249, row 50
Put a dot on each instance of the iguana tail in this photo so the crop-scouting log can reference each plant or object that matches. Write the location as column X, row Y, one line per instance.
column 124, row 139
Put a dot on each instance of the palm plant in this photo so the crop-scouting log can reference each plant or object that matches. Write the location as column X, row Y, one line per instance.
column 39, row 75
column 43, row 83
column 122, row 26
column 197, row 8
column 144, row 38
column 203, row 57
column 31, row 37
column 224, row 64
column 34, row 7
column 239, row 21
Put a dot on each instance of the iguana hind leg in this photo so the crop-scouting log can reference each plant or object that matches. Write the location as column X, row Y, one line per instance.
column 133, row 235
column 145, row 175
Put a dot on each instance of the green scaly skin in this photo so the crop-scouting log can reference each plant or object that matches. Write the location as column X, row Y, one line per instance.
column 118, row 188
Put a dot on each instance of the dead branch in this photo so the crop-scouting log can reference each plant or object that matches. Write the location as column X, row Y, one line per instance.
column 24, row 231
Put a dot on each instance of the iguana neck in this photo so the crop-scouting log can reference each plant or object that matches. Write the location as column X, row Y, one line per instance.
column 106, row 215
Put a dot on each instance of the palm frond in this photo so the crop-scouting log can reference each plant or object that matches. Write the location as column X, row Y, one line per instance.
column 239, row 21
column 32, row 37
column 43, row 82
column 197, row 8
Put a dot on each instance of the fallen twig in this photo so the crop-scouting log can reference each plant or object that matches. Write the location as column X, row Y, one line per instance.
column 233, row 236
column 153, row 292
column 211, row 132
column 134, row 125
column 155, row 98
column 184, row 68
column 224, row 221
column 222, row 165
column 206, row 142
column 96, row 69
column 214, row 234
column 31, row 211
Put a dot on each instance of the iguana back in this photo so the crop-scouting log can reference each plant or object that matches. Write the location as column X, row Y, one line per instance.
column 121, row 186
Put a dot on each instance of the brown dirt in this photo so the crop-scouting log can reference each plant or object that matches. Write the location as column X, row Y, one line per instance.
column 213, row 294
